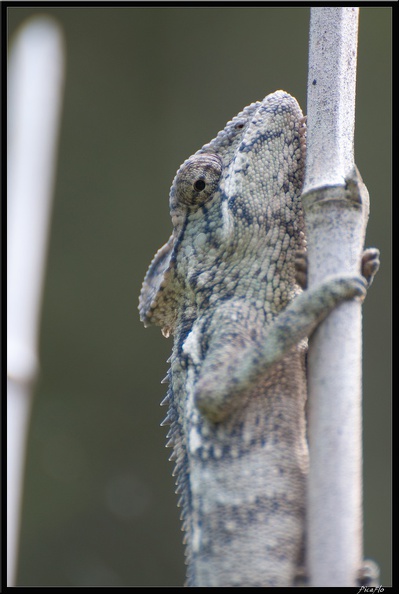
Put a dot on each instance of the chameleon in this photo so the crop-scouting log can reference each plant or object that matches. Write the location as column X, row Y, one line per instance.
column 229, row 286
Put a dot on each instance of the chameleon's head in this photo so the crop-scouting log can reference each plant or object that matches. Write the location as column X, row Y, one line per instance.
column 235, row 211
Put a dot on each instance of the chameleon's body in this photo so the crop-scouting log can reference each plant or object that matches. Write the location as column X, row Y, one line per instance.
column 224, row 286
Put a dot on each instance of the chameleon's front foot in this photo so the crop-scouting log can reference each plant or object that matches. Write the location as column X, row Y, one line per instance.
column 337, row 288
column 369, row 266
column 228, row 371
column 301, row 268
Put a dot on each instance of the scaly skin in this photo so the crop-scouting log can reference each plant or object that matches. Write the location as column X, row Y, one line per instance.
column 225, row 287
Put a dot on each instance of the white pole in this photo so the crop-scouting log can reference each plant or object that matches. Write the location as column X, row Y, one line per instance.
column 35, row 81
column 336, row 227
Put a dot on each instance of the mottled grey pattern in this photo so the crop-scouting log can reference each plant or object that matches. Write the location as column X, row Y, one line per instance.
column 224, row 285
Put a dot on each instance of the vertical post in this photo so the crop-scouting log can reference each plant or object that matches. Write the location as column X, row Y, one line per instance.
column 336, row 210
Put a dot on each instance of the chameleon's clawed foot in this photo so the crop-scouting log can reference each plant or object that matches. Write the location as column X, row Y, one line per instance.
column 301, row 268
column 346, row 286
column 301, row 578
column 370, row 264
column 369, row 573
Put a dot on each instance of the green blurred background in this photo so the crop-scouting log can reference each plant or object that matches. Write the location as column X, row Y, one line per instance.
column 145, row 88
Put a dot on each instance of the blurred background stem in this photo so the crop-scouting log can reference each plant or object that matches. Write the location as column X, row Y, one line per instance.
column 35, row 80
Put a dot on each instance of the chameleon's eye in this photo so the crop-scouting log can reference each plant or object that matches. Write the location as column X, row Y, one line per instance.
column 199, row 185
column 197, row 179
